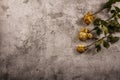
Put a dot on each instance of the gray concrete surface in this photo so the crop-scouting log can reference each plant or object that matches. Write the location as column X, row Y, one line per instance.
column 38, row 39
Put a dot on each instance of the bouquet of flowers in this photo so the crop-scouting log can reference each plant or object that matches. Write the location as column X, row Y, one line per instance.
column 107, row 28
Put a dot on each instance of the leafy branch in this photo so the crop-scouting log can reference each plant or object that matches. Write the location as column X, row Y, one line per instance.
column 106, row 28
column 108, row 6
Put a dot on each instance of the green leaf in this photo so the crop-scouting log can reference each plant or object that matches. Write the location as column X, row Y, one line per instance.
column 117, row 0
column 105, row 29
column 114, row 26
column 106, row 44
column 98, row 48
column 111, row 29
column 99, row 42
column 119, row 15
column 98, row 31
column 109, row 3
column 98, row 45
column 104, row 22
column 117, row 9
column 112, row 39
column 97, row 22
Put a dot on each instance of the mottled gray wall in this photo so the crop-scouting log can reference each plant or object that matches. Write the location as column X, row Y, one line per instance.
column 38, row 39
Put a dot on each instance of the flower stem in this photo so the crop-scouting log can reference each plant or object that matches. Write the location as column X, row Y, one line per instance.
column 110, row 18
column 96, row 41
column 92, row 30
column 98, row 11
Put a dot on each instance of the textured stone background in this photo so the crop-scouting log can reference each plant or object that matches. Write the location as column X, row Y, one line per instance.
column 38, row 39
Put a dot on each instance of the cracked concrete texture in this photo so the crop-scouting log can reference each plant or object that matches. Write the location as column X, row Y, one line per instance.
column 38, row 39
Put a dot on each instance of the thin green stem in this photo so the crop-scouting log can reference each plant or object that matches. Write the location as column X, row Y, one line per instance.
column 96, row 41
column 110, row 18
column 92, row 30
column 98, row 11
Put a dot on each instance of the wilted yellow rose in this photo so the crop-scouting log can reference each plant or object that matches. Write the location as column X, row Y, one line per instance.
column 90, row 35
column 83, row 36
column 88, row 18
column 81, row 48
column 84, row 30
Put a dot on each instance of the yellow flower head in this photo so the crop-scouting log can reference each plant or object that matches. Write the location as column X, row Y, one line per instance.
column 88, row 18
column 84, row 30
column 90, row 35
column 81, row 48
column 83, row 36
